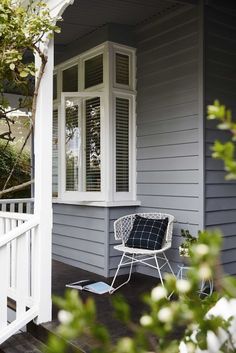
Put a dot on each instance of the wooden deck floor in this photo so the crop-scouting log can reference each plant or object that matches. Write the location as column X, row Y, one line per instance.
column 133, row 292
column 61, row 275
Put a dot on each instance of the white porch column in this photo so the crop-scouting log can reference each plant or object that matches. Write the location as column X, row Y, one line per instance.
column 43, row 177
column 43, row 188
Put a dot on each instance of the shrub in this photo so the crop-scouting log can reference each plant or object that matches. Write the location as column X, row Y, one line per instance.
column 22, row 172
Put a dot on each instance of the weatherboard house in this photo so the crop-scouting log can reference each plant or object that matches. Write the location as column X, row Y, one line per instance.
column 121, row 128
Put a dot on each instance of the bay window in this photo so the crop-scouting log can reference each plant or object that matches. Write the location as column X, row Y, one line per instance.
column 94, row 127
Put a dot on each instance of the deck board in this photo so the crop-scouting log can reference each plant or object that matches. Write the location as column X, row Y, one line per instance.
column 133, row 292
column 63, row 274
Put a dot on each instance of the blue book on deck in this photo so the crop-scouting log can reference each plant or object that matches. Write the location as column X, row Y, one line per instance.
column 91, row 286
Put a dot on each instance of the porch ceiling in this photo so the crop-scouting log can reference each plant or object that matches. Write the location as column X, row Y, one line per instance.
column 85, row 16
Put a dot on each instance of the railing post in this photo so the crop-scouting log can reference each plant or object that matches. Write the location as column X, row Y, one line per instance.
column 3, row 286
column 43, row 188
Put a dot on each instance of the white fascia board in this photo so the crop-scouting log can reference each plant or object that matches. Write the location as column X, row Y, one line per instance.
column 57, row 7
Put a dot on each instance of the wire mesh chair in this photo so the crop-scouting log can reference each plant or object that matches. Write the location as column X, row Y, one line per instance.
column 131, row 256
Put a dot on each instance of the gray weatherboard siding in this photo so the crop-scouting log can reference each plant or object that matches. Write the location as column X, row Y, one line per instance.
column 167, row 149
column 220, row 83
column 83, row 236
column 169, row 143
column 79, row 236
column 167, row 122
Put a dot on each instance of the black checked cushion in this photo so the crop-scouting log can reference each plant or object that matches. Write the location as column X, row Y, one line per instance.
column 147, row 233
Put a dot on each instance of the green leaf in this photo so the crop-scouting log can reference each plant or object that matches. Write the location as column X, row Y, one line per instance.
column 24, row 74
column 122, row 309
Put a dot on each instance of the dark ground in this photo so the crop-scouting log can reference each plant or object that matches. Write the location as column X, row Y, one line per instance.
column 63, row 274
column 132, row 292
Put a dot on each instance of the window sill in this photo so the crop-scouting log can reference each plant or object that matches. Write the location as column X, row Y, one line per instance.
column 98, row 203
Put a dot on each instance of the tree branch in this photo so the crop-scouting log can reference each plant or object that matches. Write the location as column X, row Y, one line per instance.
column 17, row 159
column 16, row 188
column 7, row 136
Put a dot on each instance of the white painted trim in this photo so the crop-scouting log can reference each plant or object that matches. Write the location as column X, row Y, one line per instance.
column 201, row 112
column 78, row 57
column 99, row 203
column 122, row 47
column 43, row 188
column 18, row 231
column 108, row 125
column 17, row 324
column 84, row 94
column 67, row 64
column 57, row 7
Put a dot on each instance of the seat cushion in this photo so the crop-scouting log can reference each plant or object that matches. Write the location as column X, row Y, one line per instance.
column 147, row 233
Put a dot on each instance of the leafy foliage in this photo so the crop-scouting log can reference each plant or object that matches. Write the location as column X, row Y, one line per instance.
column 224, row 151
column 189, row 240
column 22, row 172
column 23, row 31
column 166, row 323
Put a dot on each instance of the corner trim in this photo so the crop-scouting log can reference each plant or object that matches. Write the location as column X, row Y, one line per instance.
column 201, row 110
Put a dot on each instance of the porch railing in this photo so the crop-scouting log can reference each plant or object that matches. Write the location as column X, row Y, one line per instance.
column 18, row 268
column 17, row 205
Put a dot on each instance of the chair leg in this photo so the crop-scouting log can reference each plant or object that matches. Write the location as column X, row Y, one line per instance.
column 159, row 271
column 117, row 271
column 167, row 261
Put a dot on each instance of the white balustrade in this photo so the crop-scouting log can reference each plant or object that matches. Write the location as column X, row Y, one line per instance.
column 18, row 264
column 17, row 205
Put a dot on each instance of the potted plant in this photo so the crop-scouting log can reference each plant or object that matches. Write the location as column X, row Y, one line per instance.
column 189, row 240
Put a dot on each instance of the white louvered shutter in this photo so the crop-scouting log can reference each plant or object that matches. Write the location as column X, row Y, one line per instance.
column 122, row 69
column 93, row 144
column 93, row 71
column 70, row 79
column 122, row 145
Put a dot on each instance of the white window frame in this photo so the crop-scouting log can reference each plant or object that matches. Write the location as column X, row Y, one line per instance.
column 81, row 195
column 131, row 194
column 90, row 55
column 64, row 68
column 130, row 52
column 107, row 91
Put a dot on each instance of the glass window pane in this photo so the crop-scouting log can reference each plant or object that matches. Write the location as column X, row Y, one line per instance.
column 122, row 69
column 94, row 71
column 122, row 145
column 70, row 79
column 93, row 150
column 73, row 144
column 82, row 139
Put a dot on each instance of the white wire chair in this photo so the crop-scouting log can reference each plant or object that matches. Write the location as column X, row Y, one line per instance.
column 131, row 256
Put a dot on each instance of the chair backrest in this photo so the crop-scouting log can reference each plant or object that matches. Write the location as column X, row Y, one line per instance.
column 123, row 225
